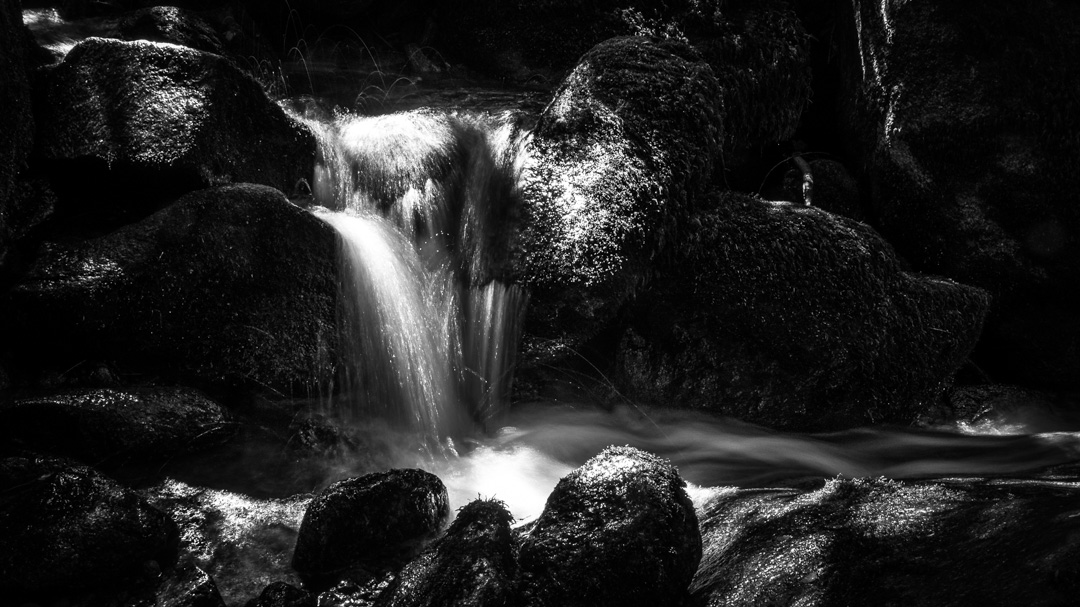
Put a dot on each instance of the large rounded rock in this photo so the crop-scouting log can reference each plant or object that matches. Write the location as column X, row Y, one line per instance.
column 792, row 317
column 881, row 542
column 620, row 530
column 170, row 24
column 67, row 527
column 231, row 285
column 126, row 125
column 966, row 121
column 119, row 425
column 473, row 565
column 369, row 520
column 619, row 155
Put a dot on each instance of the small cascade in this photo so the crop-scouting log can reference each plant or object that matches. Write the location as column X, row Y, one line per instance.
column 420, row 200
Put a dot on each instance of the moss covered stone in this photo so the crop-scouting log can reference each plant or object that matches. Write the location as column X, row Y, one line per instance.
column 369, row 521
column 129, row 124
column 792, row 317
column 967, row 122
column 619, row 155
column 229, row 286
column 620, row 530
column 473, row 565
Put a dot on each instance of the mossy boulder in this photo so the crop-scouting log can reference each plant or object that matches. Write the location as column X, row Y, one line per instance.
column 369, row 521
column 967, row 124
column 125, row 126
column 619, row 530
column 791, row 317
column 229, row 287
column 620, row 154
column 472, row 565
column 883, row 542
column 69, row 528
column 120, row 425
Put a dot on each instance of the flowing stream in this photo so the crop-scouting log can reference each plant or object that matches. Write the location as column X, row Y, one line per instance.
column 416, row 198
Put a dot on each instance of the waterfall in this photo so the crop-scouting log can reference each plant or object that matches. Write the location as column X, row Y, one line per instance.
column 420, row 201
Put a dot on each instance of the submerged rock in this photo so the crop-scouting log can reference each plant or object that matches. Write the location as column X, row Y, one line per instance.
column 67, row 528
column 280, row 594
column 368, row 521
column 967, row 124
column 620, row 530
column 620, row 154
column 882, row 542
column 188, row 586
column 472, row 565
column 116, row 425
column 126, row 125
column 790, row 317
column 228, row 286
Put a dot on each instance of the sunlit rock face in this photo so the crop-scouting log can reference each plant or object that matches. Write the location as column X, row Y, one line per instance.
column 791, row 317
column 69, row 528
column 368, row 521
column 883, row 542
column 117, row 426
column 620, row 154
column 620, row 530
column 229, row 286
column 472, row 565
column 967, row 121
column 125, row 125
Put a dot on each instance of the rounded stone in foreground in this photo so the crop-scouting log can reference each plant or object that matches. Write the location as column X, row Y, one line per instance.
column 619, row 530
column 369, row 519
column 67, row 527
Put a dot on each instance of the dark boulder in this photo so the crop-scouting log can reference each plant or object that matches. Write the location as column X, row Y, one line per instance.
column 620, row 530
column 791, row 317
column 125, row 126
column 967, row 124
column 137, row 424
column 833, row 188
column 472, row 565
column 883, row 542
column 228, row 286
column 620, row 154
column 369, row 521
column 67, row 527
column 170, row 24
column 280, row 594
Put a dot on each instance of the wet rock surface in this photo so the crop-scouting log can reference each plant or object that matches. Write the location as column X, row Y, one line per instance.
column 369, row 520
column 883, row 542
column 67, row 527
column 618, row 156
column 791, row 317
column 228, row 286
column 472, row 565
column 620, row 530
column 124, row 126
column 170, row 24
column 117, row 426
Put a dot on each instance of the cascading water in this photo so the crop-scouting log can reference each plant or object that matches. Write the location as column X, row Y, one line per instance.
column 428, row 337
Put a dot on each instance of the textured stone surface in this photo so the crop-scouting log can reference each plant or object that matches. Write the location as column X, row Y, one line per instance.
column 368, row 520
column 620, row 530
column 115, row 425
column 966, row 124
column 228, row 286
column 792, row 317
column 881, row 542
column 67, row 527
column 123, row 126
